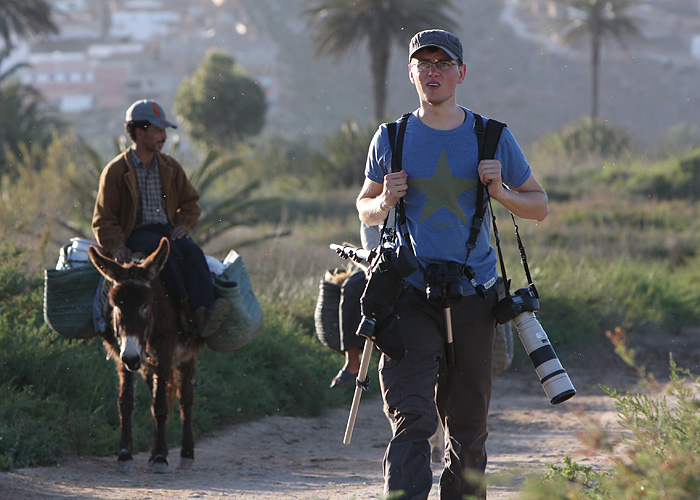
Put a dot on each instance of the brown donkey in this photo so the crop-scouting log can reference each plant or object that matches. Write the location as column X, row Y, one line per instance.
column 144, row 334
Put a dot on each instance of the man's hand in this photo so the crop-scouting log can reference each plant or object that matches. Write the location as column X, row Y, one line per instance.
column 122, row 255
column 179, row 232
column 490, row 175
column 529, row 201
column 395, row 187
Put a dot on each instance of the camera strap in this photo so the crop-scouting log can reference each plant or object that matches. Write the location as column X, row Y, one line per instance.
column 488, row 138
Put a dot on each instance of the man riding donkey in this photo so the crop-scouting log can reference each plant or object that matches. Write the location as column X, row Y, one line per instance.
column 143, row 196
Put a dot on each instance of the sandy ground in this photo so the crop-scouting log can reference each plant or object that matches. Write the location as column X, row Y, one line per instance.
column 304, row 458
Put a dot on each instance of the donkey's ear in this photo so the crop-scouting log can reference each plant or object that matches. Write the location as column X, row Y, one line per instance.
column 154, row 263
column 106, row 266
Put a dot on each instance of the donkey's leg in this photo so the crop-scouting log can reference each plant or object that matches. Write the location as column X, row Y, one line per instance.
column 158, row 384
column 185, row 386
column 127, row 381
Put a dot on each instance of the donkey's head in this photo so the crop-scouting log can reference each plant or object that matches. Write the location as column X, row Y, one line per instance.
column 132, row 300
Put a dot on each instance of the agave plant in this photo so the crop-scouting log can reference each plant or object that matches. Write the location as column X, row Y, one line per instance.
column 235, row 209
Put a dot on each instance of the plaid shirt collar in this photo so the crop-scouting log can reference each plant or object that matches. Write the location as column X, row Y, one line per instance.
column 137, row 161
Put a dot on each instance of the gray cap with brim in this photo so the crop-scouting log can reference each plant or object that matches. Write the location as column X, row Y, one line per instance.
column 146, row 110
column 437, row 38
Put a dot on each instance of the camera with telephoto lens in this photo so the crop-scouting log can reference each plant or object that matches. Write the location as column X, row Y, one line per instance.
column 386, row 280
column 520, row 307
column 443, row 283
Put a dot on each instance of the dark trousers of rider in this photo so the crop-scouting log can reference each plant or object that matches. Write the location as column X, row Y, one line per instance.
column 186, row 273
column 420, row 385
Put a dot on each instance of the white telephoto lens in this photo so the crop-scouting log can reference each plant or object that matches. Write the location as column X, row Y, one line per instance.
column 553, row 377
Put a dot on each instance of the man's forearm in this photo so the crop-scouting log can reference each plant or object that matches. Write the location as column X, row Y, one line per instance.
column 372, row 211
column 533, row 205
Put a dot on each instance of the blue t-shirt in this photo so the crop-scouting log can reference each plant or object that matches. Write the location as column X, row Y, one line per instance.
column 442, row 168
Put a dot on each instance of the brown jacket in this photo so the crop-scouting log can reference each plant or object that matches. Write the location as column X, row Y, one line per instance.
column 114, row 216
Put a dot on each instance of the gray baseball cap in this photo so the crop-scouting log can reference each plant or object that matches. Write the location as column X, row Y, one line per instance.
column 436, row 38
column 148, row 111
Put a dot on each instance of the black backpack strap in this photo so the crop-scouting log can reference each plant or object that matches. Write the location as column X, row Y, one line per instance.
column 397, row 131
column 396, row 140
column 391, row 129
column 487, row 140
column 492, row 135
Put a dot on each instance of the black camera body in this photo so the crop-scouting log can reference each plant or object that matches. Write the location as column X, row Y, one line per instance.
column 388, row 271
column 523, row 300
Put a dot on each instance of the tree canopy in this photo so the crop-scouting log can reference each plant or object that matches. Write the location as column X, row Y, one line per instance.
column 23, row 18
column 339, row 26
column 220, row 105
column 601, row 19
column 24, row 122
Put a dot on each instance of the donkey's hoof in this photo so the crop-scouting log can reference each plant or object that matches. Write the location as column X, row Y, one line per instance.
column 124, row 461
column 124, row 465
column 186, row 463
column 158, row 465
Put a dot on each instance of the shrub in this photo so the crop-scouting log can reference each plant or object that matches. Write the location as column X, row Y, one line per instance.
column 679, row 140
column 584, row 139
column 671, row 179
column 347, row 152
column 662, row 438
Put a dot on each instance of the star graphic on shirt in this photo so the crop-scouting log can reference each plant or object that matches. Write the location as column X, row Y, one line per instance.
column 442, row 190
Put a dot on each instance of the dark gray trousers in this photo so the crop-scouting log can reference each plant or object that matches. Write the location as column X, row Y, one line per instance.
column 421, row 384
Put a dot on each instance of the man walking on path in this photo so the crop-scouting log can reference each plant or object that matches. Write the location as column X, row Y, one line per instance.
column 438, row 183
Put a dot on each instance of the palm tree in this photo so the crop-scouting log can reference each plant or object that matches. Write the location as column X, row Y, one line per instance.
column 24, row 120
column 600, row 19
column 25, row 17
column 10, row 71
column 339, row 26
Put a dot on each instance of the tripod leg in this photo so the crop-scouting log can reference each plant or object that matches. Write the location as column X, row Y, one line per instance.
column 450, row 338
column 361, row 385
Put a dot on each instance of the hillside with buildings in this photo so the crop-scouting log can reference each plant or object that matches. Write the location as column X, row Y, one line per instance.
column 109, row 54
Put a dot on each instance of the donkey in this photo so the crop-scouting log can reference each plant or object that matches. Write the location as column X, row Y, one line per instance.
column 144, row 334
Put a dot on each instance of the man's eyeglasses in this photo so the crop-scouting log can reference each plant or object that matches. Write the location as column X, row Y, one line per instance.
column 441, row 66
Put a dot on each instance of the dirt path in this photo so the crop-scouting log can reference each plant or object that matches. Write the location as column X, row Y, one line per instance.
column 304, row 458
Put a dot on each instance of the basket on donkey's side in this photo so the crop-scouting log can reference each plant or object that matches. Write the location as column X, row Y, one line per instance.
column 69, row 292
column 245, row 321
column 75, row 296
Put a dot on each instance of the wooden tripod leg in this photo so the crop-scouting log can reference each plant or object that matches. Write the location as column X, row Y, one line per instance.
column 450, row 338
column 361, row 384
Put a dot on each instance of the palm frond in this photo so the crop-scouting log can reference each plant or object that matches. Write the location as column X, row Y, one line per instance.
column 196, row 175
column 25, row 17
column 214, row 173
